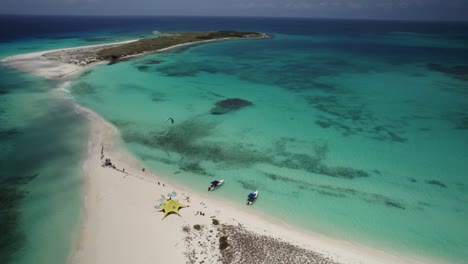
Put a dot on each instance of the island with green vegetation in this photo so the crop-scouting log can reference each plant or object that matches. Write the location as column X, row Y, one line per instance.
column 170, row 39
column 87, row 56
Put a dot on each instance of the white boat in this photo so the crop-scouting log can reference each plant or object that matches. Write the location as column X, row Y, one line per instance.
column 156, row 32
column 215, row 184
column 252, row 197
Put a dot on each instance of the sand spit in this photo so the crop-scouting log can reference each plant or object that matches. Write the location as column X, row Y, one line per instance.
column 58, row 64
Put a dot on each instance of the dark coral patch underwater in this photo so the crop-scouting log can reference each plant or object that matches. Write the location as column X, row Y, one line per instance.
column 229, row 105
column 337, row 192
column 349, row 116
column 437, row 183
column 11, row 194
column 461, row 70
column 190, row 140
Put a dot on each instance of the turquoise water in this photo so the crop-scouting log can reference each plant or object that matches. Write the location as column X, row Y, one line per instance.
column 41, row 145
column 358, row 133
column 349, row 122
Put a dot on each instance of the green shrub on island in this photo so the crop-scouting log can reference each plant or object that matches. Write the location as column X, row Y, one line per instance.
column 215, row 221
column 223, row 244
column 228, row 34
column 197, row 227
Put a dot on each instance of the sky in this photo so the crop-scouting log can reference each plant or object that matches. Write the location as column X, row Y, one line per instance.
column 355, row 9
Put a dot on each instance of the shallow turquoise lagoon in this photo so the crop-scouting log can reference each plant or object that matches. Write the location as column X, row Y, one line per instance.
column 362, row 134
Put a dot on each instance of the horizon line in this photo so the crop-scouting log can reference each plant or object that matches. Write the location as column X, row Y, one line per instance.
column 246, row 16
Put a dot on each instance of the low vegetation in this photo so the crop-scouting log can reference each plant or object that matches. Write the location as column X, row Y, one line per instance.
column 248, row 247
column 186, row 229
column 215, row 221
column 197, row 227
column 223, row 243
column 168, row 40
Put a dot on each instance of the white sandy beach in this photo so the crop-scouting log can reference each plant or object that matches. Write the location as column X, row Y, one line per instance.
column 37, row 64
column 121, row 225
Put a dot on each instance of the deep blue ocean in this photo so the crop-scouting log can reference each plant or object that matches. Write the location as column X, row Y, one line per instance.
column 364, row 124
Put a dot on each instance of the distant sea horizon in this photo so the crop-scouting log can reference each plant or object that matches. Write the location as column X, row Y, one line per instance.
column 361, row 123
column 246, row 16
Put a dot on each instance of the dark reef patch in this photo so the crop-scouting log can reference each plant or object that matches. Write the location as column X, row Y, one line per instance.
column 11, row 194
column 229, row 105
column 312, row 162
column 194, row 167
column 336, row 192
column 461, row 70
column 2, row 92
column 186, row 69
column 153, row 62
column 247, row 185
column 57, row 37
column 29, row 48
column 436, row 182
column 454, row 87
column 189, row 140
column 7, row 134
column 427, row 205
column 143, row 68
column 94, row 39
column 349, row 116
column 459, row 119
column 177, row 70
column 158, row 97
column 394, row 204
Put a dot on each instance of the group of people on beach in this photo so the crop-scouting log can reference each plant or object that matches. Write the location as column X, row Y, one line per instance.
column 200, row 213
column 108, row 162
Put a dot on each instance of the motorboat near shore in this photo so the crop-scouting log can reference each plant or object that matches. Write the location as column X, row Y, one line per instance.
column 252, row 197
column 215, row 184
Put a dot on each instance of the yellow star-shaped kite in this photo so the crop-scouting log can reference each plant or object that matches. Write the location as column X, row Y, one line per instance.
column 171, row 206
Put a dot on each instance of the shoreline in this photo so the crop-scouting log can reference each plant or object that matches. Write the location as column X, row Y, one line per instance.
column 38, row 64
column 35, row 63
column 145, row 183
column 118, row 211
